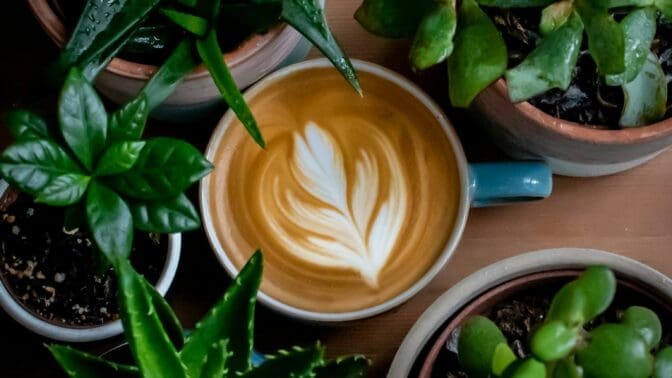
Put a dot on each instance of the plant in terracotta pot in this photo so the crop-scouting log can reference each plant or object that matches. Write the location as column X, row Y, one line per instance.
column 572, row 78
column 84, row 189
column 220, row 346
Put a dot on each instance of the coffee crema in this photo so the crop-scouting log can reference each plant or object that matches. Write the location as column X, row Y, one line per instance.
column 353, row 199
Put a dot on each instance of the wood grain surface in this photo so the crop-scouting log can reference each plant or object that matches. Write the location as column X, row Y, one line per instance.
column 627, row 213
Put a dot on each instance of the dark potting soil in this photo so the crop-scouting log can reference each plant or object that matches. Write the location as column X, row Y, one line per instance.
column 588, row 100
column 56, row 273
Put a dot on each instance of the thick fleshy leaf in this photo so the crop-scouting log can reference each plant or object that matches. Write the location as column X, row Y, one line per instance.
column 527, row 368
column 82, row 118
column 555, row 15
column 119, row 158
column 297, row 362
column 606, row 40
column 193, row 24
column 663, row 365
column 615, row 348
column 554, row 341
column 515, row 3
column 344, row 367
column 231, row 318
column 598, row 285
column 646, row 96
column 128, row 123
column 78, row 364
column 569, row 306
column 110, row 222
column 214, row 365
column 434, row 39
column 639, row 28
column 169, row 321
column 550, row 65
column 64, row 190
column 502, row 358
column 567, row 369
column 25, row 125
column 478, row 341
column 479, row 57
column 645, row 322
column 392, row 18
column 166, row 216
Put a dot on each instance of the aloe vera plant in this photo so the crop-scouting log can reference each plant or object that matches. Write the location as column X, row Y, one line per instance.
column 562, row 348
column 221, row 346
column 106, row 27
column 462, row 33
column 97, row 166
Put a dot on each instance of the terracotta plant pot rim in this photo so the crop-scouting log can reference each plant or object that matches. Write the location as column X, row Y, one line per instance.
column 56, row 30
column 579, row 132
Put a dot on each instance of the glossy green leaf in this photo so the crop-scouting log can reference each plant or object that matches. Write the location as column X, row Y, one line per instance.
column 119, row 158
column 569, row 306
column 629, row 3
column 231, row 318
column 25, row 125
column 149, row 343
column 212, row 55
column 193, row 24
column 598, row 285
column 646, row 323
column 214, row 365
column 527, row 368
column 32, row 165
column 64, row 190
column 167, row 216
column 665, row 7
column 344, row 367
column 128, row 123
column 646, row 96
column 478, row 341
column 78, row 364
column 434, row 39
column 606, row 40
column 550, row 65
column 479, row 57
column 82, row 119
column 555, row 15
column 165, row 168
column 392, row 18
column 110, row 222
column 566, row 369
column 554, row 341
column 502, row 358
column 515, row 3
column 297, row 362
column 639, row 28
column 663, row 364
column 169, row 321
column 615, row 350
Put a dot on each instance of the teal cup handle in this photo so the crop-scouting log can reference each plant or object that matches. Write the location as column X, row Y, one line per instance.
column 492, row 184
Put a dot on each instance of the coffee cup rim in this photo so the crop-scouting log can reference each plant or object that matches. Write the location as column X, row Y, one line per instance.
column 451, row 245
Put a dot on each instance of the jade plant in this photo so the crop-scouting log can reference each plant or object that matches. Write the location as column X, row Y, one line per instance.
column 105, row 28
column 97, row 166
column 462, row 33
column 221, row 345
column 563, row 347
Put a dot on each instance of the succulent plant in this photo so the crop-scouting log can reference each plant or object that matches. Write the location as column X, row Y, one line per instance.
column 562, row 348
column 464, row 35
column 220, row 346
column 97, row 166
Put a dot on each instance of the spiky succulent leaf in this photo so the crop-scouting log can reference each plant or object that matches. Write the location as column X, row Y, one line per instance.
column 78, row 364
column 343, row 367
column 294, row 363
column 215, row 364
column 169, row 320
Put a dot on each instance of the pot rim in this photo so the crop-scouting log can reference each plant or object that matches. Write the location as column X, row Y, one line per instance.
column 64, row 333
column 496, row 274
column 585, row 133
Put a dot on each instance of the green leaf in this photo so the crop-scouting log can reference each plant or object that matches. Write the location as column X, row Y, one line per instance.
column 149, row 343
column 639, row 28
column 550, row 65
column 119, row 158
column 165, row 217
column 434, row 39
column 555, row 15
column 231, row 318
column 646, row 96
column 344, row 367
column 615, row 348
column 569, row 306
column 169, row 321
column 606, row 41
column 193, row 24
column 297, row 362
column 32, row 165
column 64, row 190
column 392, row 18
column 527, row 368
column 515, row 3
column 646, row 323
column 598, row 285
column 215, row 362
column 554, row 341
column 479, row 57
column 502, row 358
column 212, row 55
column 128, row 123
column 82, row 119
column 110, row 222
column 629, row 3
column 78, row 364
column 566, row 369
column 663, row 365
column 25, row 125
column 665, row 7
column 165, row 168
column 479, row 339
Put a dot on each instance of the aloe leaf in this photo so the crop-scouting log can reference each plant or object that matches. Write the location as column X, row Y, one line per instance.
column 295, row 363
column 392, row 18
column 78, row 364
column 149, row 343
column 128, row 123
column 515, row 3
column 477, row 345
column 479, row 57
column 232, row 319
column 64, row 190
column 110, row 221
column 615, row 348
column 169, row 321
column 646, row 323
column 555, row 15
column 549, row 65
column 344, row 367
column 193, row 24
column 606, row 40
column 646, row 96
column 25, row 125
column 434, row 39
column 639, row 28
column 554, row 341
column 212, row 55
column 165, row 216
column 663, row 364
column 215, row 362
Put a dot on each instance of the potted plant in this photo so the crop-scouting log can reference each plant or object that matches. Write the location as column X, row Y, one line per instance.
column 540, row 313
column 580, row 83
column 82, row 191
column 220, row 346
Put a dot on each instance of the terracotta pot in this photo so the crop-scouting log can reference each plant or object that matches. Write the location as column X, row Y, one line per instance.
column 524, row 131
column 482, row 290
column 122, row 79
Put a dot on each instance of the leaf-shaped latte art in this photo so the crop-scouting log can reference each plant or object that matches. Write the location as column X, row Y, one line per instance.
column 350, row 225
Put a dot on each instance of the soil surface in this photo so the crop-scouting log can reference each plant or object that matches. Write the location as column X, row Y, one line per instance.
column 588, row 100
column 57, row 273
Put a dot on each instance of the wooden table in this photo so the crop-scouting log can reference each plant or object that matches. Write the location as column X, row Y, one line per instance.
column 626, row 214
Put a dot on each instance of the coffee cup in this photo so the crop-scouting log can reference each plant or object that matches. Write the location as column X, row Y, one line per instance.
column 357, row 201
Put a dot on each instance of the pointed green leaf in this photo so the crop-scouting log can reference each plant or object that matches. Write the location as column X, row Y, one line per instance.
column 25, row 125
column 479, row 57
column 434, row 39
column 515, row 3
column 169, row 321
column 615, row 348
column 344, row 367
column 646, row 323
column 639, row 28
column 110, row 222
column 663, row 365
column 555, row 15
column 392, row 18
column 193, row 24
column 646, row 96
column 119, row 158
column 232, row 318
column 165, row 216
column 128, row 123
column 295, row 363
column 215, row 362
column 606, row 41
column 78, row 364
column 479, row 339
column 554, row 341
column 64, row 190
